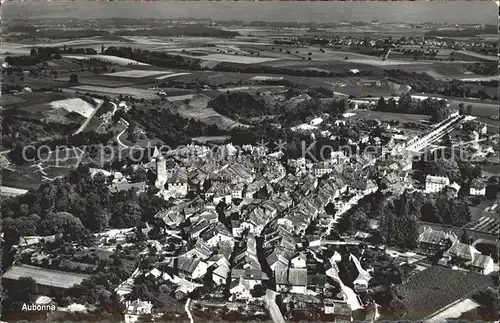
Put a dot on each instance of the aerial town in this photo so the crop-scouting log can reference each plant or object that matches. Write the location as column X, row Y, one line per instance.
column 206, row 170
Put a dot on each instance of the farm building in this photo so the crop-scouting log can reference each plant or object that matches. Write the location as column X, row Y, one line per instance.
column 47, row 280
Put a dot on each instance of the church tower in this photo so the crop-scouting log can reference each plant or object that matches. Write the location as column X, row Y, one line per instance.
column 161, row 172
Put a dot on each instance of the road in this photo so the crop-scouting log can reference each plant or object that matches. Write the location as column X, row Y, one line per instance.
column 273, row 308
column 188, row 302
column 121, row 133
column 99, row 104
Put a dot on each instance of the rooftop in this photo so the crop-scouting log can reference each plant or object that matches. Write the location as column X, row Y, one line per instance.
column 437, row 180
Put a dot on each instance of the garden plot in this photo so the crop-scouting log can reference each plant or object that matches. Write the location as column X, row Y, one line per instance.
column 485, row 224
column 137, row 73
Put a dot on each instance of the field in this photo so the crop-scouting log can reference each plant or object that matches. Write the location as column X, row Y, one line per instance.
column 21, row 177
column 36, row 82
column 211, row 139
column 104, row 81
column 478, row 56
column 390, row 116
column 234, row 58
column 253, row 88
column 77, row 105
column 479, row 79
column 108, row 58
column 45, row 277
column 137, row 73
column 33, row 98
column 266, row 78
column 479, row 108
column 125, row 90
column 431, row 289
column 171, row 75
column 180, row 97
column 197, row 109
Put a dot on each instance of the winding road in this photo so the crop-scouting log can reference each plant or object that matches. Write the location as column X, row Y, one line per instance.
column 121, row 133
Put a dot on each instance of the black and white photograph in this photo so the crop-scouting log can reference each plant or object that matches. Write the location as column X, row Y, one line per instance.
column 249, row 161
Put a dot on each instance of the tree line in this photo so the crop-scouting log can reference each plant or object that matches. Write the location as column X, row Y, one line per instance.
column 399, row 217
column 436, row 108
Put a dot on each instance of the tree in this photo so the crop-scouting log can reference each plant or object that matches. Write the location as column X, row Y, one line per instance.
column 25, row 290
column 441, row 112
column 73, row 78
column 406, row 104
column 117, row 116
column 491, row 191
column 330, row 209
column 461, row 109
column 381, row 104
column 465, row 238
column 259, row 290
column 353, row 222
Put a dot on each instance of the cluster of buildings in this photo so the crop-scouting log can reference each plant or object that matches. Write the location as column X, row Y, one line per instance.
column 456, row 254
column 244, row 221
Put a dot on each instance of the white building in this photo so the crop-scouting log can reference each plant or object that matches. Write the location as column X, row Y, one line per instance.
column 161, row 172
column 299, row 261
column 135, row 309
column 482, row 264
column 477, row 188
column 316, row 121
column 321, row 169
column 338, row 157
column 177, row 185
column 434, row 184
